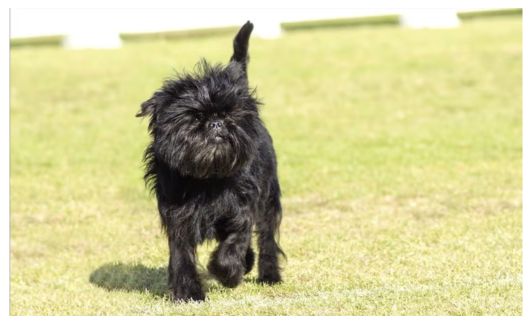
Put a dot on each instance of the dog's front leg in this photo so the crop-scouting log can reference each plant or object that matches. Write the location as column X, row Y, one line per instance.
column 183, row 277
column 228, row 261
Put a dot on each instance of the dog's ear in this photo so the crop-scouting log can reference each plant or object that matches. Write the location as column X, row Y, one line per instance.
column 149, row 106
column 241, row 45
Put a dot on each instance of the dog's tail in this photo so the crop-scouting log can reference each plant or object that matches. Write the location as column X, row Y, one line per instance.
column 241, row 45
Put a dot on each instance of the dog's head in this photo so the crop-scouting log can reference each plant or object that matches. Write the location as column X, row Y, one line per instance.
column 205, row 124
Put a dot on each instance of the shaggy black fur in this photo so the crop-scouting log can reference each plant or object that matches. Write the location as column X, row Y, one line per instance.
column 212, row 167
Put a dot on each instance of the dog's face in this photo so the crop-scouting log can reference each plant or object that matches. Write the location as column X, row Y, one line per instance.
column 205, row 124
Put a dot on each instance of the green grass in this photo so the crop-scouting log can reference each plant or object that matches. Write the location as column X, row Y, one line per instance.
column 52, row 40
column 179, row 34
column 342, row 22
column 399, row 156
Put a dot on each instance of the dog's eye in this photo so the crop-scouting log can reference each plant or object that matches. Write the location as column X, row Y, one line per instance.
column 198, row 116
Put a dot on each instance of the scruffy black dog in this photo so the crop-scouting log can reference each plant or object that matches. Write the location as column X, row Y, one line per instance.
column 213, row 168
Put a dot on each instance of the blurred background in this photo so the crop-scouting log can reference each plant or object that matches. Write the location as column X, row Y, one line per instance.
column 398, row 135
column 107, row 28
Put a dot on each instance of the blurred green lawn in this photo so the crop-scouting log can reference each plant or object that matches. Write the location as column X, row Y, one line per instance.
column 399, row 157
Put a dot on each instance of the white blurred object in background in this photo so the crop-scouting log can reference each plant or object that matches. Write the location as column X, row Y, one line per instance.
column 91, row 29
column 429, row 18
column 267, row 27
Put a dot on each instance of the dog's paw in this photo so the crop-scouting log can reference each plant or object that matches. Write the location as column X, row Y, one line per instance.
column 180, row 296
column 229, row 275
column 270, row 278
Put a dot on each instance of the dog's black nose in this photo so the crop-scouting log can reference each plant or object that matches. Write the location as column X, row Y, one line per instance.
column 217, row 124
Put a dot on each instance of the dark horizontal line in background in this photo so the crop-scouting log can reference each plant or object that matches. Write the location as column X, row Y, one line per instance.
column 56, row 40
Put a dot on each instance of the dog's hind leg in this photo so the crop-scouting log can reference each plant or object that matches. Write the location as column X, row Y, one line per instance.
column 267, row 227
column 249, row 259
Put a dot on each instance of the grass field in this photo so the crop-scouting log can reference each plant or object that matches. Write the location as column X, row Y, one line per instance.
column 399, row 157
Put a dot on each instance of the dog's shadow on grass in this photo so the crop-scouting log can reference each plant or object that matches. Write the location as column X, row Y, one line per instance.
column 138, row 277
column 131, row 277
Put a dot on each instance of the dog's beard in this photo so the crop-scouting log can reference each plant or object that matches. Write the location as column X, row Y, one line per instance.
column 206, row 155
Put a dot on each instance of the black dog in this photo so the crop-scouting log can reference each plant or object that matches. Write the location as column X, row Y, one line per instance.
column 213, row 168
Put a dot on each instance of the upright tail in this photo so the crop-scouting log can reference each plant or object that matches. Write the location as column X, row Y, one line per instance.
column 241, row 45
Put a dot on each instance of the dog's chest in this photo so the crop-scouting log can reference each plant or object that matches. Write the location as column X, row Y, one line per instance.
column 217, row 206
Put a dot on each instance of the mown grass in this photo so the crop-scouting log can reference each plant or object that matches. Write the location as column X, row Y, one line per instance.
column 399, row 157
